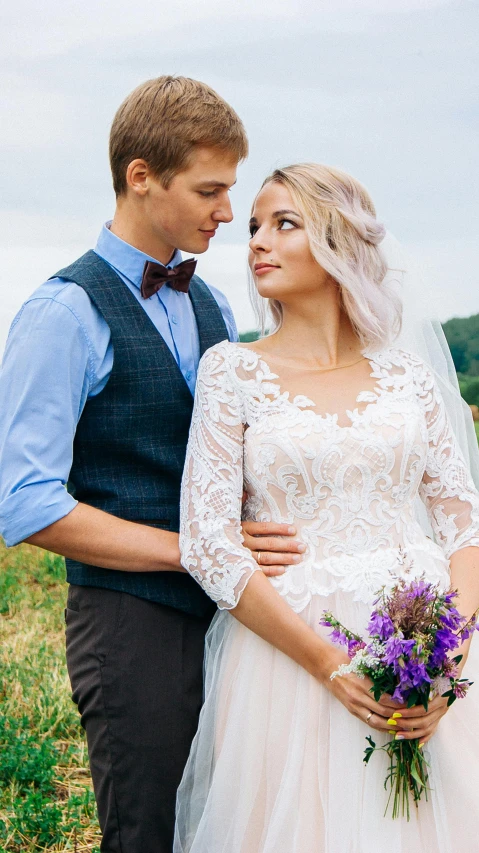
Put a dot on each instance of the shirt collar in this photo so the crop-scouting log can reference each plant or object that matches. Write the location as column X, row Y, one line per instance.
column 124, row 258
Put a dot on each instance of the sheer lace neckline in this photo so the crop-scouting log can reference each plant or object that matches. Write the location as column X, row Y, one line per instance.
column 345, row 420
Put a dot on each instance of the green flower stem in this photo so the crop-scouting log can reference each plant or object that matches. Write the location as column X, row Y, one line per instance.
column 407, row 775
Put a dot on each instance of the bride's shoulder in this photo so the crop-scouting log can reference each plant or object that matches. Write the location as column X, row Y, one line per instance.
column 231, row 354
column 239, row 368
column 395, row 356
column 231, row 362
column 402, row 367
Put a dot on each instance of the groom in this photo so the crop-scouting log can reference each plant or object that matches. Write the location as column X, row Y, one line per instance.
column 96, row 391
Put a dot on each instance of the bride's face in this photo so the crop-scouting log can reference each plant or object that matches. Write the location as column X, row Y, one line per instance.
column 280, row 258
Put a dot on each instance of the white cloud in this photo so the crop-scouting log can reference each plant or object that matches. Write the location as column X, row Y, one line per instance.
column 22, row 270
column 450, row 272
column 20, row 229
column 39, row 29
column 29, row 112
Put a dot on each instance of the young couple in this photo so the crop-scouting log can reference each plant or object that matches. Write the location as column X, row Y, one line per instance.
column 329, row 430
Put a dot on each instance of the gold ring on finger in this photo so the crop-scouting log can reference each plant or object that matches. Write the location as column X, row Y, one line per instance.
column 258, row 557
column 369, row 716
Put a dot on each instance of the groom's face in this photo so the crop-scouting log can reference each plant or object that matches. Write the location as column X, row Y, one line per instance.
column 187, row 214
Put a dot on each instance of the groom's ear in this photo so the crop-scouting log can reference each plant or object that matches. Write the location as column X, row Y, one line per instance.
column 164, row 120
column 137, row 174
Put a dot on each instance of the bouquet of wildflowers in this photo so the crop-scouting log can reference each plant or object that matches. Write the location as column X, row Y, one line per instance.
column 412, row 630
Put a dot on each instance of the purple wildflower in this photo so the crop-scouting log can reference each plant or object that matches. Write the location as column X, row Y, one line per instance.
column 450, row 596
column 450, row 668
column 451, row 618
column 444, row 641
column 354, row 646
column 337, row 636
column 414, row 674
column 460, row 689
column 380, row 625
column 421, row 589
column 397, row 695
column 396, row 648
column 468, row 629
column 466, row 632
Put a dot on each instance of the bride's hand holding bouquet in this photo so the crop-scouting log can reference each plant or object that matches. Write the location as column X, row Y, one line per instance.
column 355, row 693
column 408, row 659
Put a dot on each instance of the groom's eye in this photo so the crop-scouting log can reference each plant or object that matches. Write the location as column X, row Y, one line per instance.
column 207, row 194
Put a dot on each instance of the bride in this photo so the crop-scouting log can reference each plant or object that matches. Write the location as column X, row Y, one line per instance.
column 329, row 427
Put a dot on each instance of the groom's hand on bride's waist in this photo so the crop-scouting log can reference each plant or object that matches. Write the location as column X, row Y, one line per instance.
column 273, row 546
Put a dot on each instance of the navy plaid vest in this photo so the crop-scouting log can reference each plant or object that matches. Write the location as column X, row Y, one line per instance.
column 130, row 443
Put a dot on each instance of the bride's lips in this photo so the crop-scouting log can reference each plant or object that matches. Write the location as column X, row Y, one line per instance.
column 260, row 269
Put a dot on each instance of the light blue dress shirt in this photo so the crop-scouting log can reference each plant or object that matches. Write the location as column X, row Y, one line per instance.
column 58, row 354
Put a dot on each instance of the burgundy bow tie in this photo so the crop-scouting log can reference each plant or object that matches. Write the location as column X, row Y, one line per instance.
column 156, row 275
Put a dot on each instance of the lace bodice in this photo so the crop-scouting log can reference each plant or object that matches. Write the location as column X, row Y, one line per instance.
column 349, row 490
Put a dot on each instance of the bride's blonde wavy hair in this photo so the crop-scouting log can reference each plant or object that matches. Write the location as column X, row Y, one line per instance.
column 344, row 237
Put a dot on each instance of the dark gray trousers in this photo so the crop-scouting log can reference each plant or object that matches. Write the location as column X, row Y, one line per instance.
column 136, row 670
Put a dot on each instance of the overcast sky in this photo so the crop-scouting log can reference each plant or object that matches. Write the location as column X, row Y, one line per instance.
column 386, row 89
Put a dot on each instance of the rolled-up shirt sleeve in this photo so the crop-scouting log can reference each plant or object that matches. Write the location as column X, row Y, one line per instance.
column 44, row 383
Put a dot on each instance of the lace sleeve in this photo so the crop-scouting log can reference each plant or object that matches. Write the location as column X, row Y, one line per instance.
column 211, row 540
column 447, row 488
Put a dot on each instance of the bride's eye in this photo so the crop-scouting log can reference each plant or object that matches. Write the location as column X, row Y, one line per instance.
column 288, row 223
column 252, row 230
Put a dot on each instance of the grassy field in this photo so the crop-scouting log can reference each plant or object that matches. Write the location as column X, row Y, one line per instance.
column 46, row 800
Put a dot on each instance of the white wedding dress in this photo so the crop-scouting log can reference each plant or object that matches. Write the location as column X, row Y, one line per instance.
column 276, row 765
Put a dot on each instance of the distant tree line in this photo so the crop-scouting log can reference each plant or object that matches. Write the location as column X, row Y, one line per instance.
column 463, row 338
column 462, row 335
column 247, row 337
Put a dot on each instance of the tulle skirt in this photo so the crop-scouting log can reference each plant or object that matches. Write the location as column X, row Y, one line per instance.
column 276, row 765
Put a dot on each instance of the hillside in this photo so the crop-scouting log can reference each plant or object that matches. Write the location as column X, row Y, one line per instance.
column 462, row 335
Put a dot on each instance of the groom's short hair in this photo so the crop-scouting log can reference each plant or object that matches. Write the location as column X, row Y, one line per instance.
column 164, row 120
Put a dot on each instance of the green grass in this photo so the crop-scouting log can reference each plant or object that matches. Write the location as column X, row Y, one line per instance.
column 46, row 798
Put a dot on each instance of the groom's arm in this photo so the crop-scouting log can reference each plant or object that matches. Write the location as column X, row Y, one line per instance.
column 100, row 539
column 95, row 537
